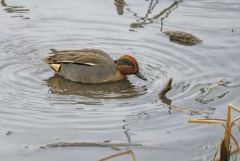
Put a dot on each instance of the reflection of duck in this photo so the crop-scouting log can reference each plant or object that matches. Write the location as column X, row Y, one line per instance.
column 92, row 66
column 122, row 89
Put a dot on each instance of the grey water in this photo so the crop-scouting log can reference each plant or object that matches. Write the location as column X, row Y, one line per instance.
column 39, row 108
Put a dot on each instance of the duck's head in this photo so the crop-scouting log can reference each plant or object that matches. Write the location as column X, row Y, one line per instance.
column 127, row 65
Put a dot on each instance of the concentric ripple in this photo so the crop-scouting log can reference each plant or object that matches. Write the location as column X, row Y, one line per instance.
column 40, row 107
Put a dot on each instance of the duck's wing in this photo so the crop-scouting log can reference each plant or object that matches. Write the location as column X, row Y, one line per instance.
column 88, row 57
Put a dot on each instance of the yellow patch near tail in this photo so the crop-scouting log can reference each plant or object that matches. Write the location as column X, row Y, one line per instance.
column 55, row 67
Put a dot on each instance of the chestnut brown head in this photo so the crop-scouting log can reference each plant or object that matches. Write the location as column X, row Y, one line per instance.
column 127, row 65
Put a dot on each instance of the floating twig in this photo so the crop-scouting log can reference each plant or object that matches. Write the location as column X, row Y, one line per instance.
column 89, row 144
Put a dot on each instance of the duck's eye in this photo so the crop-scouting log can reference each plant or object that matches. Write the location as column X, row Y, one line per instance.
column 124, row 62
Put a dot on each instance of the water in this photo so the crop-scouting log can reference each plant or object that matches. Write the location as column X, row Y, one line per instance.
column 40, row 108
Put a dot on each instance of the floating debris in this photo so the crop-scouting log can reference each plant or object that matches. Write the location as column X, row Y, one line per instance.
column 91, row 144
column 16, row 9
column 9, row 132
column 182, row 38
column 136, row 25
column 107, row 141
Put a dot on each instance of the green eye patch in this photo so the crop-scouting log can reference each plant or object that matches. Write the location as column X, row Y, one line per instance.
column 124, row 62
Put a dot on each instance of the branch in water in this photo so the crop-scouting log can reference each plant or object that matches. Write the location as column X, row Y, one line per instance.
column 91, row 144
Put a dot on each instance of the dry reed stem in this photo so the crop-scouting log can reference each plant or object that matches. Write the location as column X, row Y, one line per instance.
column 225, row 147
column 234, row 108
column 233, row 151
column 206, row 121
column 120, row 154
column 234, row 122
column 227, row 134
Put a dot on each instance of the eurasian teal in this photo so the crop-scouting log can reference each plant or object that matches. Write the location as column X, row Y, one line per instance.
column 92, row 66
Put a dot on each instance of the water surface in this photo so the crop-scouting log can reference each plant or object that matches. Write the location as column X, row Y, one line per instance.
column 40, row 108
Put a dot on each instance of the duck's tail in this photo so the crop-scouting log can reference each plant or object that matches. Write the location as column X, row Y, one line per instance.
column 56, row 67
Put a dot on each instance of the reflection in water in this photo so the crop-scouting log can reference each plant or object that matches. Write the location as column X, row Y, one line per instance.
column 181, row 42
column 162, row 95
column 205, row 92
column 126, row 131
column 3, row 3
column 130, row 121
column 15, row 9
column 121, row 89
column 120, row 6
column 202, row 95
column 145, row 20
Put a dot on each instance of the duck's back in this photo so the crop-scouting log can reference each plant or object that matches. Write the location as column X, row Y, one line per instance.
column 86, row 65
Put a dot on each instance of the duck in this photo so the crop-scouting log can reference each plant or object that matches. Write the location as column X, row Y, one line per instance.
column 92, row 65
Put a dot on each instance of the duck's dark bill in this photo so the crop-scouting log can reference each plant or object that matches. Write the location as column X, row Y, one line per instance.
column 141, row 76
